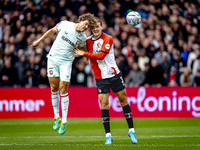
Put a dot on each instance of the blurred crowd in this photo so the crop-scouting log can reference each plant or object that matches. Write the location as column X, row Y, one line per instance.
column 163, row 50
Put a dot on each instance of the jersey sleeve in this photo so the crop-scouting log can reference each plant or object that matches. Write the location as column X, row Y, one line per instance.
column 107, row 44
column 99, row 56
column 60, row 25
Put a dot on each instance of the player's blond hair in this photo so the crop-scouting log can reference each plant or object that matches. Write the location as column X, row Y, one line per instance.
column 90, row 17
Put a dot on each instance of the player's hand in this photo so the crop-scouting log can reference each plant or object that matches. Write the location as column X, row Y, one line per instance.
column 35, row 43
column 79, row 52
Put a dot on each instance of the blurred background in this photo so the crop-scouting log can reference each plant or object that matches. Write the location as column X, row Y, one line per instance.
column 163, row 50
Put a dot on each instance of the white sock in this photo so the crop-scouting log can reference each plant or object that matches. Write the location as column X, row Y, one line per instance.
column 55, row 103
column 64, row 104
column 131, row 129
column 108, row 134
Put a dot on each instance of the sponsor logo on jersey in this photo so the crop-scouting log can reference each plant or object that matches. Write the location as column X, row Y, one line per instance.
column 66, row 32
column 107, row 46
column 68, row 41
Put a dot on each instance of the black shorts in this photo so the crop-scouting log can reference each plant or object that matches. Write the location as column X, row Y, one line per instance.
column 115, row 83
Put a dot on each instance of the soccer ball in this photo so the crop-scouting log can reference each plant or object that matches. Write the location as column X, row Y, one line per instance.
column 133, row 18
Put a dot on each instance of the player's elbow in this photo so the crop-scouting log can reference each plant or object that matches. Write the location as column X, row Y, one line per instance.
column 101, row 58
column 53, row 30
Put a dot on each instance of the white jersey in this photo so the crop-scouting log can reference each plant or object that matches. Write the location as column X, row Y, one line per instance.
column 67, row 39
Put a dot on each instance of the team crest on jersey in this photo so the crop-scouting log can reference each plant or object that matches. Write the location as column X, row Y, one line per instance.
column 99, row 44
column 78, row 42
column 107, row 46
column 51, row 72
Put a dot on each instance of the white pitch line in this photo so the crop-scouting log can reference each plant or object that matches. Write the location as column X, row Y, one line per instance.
column 102, row 145
column 122, row 137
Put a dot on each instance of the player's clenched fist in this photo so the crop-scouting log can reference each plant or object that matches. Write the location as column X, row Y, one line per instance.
column 35, row 43
column 79, row 52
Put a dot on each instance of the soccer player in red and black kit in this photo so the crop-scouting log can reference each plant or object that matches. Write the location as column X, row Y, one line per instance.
column 100, row 52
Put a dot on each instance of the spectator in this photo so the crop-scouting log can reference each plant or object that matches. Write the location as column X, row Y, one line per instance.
column 186, row 79
column 123, row 38
column 143, row 59
column 196, row 66
column 19, row 70
column 192, row 56
column 159, row 54
column 126, row 51
column 178, row 61
column 197, row 78
column 43, row 79
column 6, row 74
column 91, row 82
column 173, row 79
column 135, row 77
column 30, row 79
column 2, row 26
column 185, row 52
column 123, row 65
column 154, row 75
column 79, row 77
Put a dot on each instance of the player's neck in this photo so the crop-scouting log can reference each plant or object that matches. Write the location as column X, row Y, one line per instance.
column 97, row 36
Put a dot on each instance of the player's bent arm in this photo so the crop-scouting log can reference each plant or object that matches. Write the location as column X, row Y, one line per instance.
column 44, row 36
column 99, row 56
column 48, row 34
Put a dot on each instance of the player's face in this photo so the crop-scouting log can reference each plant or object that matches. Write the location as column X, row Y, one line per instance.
column 97, row 30
column 84, row 25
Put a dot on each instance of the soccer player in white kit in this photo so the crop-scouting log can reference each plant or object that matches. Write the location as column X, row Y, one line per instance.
column 100, row 51
column 60, row 58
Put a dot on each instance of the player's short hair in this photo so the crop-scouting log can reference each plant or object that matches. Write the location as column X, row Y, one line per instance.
column 90, row 17
column 98, row 20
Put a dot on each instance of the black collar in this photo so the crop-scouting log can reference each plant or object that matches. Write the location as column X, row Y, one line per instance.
column 96, row 39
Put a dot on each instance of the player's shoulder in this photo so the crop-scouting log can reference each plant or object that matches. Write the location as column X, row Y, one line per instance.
column 65, row 22
column 107, row 37
column 89, row 37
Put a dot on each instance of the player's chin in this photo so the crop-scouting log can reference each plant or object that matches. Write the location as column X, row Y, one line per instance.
column 96, row 34
column 84, row 29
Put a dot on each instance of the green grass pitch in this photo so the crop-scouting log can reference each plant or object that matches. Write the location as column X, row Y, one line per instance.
column 88, row 134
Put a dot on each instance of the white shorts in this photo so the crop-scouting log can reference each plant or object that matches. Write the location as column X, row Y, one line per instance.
column 59, row 70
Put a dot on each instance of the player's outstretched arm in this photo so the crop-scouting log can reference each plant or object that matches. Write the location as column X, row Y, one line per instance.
column 99, row 56
column 44, row 36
